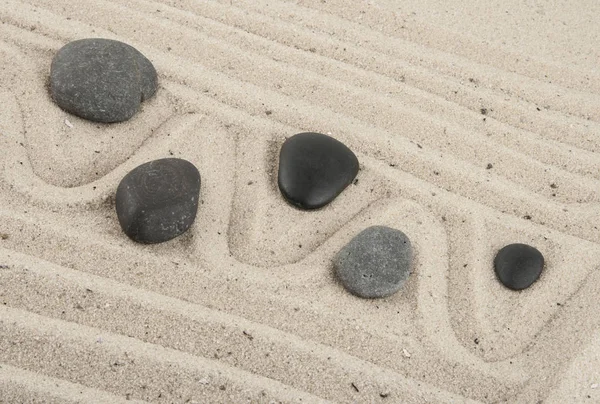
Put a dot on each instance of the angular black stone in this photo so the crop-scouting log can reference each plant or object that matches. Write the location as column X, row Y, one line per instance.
column 375, row 263
column 517, row 266
column 314, row 169
column 158, row 200
column 101, row 79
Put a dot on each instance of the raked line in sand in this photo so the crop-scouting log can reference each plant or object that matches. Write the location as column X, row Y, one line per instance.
column 465, row 146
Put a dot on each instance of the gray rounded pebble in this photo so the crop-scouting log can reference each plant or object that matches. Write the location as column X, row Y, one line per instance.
column 158, row 200
column 375, row 263
column 101, row 80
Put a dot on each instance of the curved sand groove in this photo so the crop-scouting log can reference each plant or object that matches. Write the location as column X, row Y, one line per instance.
column 257, row 235
column 342, row 300
column 551, row 131
column 187, row 327
column 509, row 369
column 579, row 383
column 389, row 117
column 237, row 293
column 559, row 342
column 500, row 327
column 20, row 174
column 569, row 263
column 113, row 255
column 427, row 234
column 90, row 146
column 357, row 128
column 433, row 290
column 436, row 315
column 407, row 160
column 20, row 169
column 579, row 166
column 574, row 253
column 424, row 163
column 567, row 182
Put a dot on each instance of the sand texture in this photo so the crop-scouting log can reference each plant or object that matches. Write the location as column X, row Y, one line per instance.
column 476, row 126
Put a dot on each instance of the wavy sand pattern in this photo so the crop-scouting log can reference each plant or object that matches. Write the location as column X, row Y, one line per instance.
column 469, row 138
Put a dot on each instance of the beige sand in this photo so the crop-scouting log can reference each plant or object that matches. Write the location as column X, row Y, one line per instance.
column 244, row 307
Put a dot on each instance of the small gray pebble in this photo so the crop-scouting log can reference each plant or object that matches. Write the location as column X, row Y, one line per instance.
column 375, row 263
column 101, row 79
column 158, row 200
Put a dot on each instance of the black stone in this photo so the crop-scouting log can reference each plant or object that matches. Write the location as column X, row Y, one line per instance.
column 314, row 169
column 517, row 266
column 158, row 200
column 101, row 80
column 375, row 263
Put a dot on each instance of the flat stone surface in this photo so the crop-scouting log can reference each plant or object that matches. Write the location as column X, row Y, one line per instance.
column 314, row 169
column 101, row 79
column 375, row 263
column 158, row 200
column 518, row 266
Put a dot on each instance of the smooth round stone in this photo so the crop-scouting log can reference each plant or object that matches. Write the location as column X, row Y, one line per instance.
column 101, row 79
column 517, row 266
column 158, row 200
column 314, row 169
column 375, row 263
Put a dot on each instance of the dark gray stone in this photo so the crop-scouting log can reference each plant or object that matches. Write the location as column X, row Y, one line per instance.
column 158, row 200
column 375, row 263
column 148, row 76
column 518, row 266
column 101, row 79
column 314, row 169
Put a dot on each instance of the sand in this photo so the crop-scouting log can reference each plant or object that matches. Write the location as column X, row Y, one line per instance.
column 476, row 125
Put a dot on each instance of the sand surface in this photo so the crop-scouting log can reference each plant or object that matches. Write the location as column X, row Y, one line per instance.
column 476, row 125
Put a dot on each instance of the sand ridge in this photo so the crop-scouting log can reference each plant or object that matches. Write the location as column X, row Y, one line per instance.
column 244, row 307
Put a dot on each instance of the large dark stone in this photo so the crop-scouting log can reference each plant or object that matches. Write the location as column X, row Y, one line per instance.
column 158, row 200
column 101, row 80
column 375, row 263
column 314, row 169
column 517, row 266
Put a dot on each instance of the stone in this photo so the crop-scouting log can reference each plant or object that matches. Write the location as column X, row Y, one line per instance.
column 101, row 80
column 518, row 266
column 158, row 200
column 375, row 263
column 314, row 169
